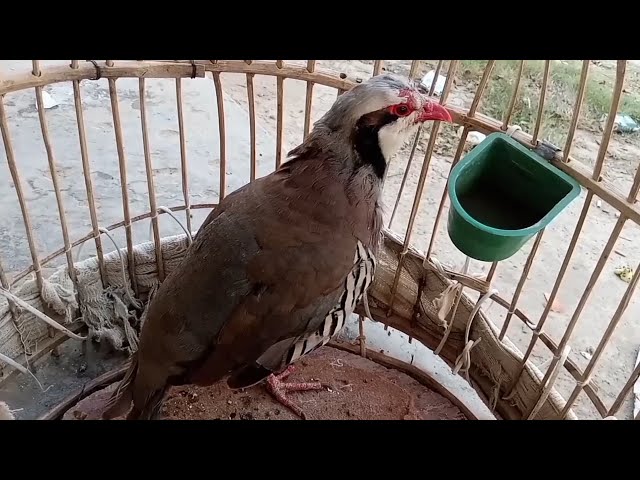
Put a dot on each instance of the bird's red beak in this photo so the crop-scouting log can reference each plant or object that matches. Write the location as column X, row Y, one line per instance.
column 434, row 111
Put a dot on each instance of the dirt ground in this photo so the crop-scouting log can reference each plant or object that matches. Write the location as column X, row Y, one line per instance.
column 360, row 390
column 202, row 139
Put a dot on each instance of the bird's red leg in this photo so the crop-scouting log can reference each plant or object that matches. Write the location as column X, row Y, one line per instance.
column 278, row 389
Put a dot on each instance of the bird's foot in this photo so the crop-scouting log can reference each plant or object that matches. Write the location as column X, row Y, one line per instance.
column 278, row 389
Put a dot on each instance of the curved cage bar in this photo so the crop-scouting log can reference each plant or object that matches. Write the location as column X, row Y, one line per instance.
column 539, row 335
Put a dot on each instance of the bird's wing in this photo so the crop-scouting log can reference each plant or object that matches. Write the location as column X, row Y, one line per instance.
column 287, row 351
column 293, row 288
column 267, row 266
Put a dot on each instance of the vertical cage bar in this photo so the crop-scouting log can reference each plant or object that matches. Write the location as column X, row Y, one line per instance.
column 554, row 291
column 617, row 316
column 491, row 272
column 596, row 175
column 482, row 86
column 595, row 275
column 17, row 183
column 416, row 141
column 624, row 302
column 543, row 96
column 223, row 140
column 611, row 119
column 183, row 154
column 421, row 182
column 311, row 67
column 122, row 163
column 377, row 67
column 86, row 170
column 583, row 215
column 413, row 70
column 520, row 286
column 56, row 185
column 252, row 123
column 514, row 96
column 625, row 391
column 279, row 114
column 150, row 181
column 576, row 110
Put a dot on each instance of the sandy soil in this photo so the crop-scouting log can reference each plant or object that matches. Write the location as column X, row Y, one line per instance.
column 360, row 390
column 202, row 141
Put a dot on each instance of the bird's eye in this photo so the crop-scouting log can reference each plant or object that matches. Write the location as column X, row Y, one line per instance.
column 401, row 110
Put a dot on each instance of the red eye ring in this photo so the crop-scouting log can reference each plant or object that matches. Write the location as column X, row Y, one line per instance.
column 401, row 110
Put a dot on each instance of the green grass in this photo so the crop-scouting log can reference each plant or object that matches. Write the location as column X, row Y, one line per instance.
column 562, row 88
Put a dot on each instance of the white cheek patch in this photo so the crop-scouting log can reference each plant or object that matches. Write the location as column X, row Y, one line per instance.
column 391, row 137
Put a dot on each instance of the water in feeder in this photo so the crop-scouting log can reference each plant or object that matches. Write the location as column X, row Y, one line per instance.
column 491, row 205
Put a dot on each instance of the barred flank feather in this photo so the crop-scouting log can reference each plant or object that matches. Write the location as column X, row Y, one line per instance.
column 356, row 283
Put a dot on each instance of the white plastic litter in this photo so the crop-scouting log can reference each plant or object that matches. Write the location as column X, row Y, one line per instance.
column 475, row 138
column 48, row 101
column 427, row 80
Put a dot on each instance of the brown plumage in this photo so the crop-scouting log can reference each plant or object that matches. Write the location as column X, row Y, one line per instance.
column 278, row 266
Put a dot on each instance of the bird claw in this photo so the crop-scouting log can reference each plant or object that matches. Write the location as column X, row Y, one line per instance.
column 278, row 389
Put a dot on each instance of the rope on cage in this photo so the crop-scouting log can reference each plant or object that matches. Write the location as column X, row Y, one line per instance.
column 120, row 309
column 21, row 303
column 23, row 337
column 20, row 368
column 446, row 300
column 170, row 213
column 512, row 130
column 15, row 315
column 58, row 297
column 98, row 71
column 495, row 394
column 463, row 362
column 187, row 233
column 134, row 301
column 39, row 314
column 122, row 312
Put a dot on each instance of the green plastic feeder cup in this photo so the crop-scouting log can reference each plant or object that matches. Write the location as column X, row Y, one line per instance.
column 501, row 195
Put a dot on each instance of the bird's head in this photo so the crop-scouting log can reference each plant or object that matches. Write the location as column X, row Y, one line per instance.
column 378, row 116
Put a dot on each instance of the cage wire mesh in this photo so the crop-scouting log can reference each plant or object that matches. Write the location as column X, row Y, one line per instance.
column 111, row 166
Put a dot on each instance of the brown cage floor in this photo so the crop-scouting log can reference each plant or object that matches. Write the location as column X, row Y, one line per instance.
column 361, row 390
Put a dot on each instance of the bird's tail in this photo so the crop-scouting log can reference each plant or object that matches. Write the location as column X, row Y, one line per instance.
column 146, row 401
column 150, row 407
column 121, row 399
